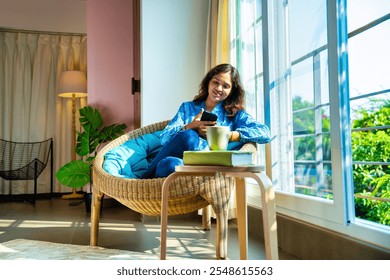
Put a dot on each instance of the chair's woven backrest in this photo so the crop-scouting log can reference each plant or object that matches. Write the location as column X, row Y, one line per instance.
column 128, row 136
column 23, row 160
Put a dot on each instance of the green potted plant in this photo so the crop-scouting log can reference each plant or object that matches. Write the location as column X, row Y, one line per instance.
column 77, row 173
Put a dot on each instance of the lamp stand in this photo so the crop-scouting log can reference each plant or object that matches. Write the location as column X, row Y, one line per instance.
column 74, row 194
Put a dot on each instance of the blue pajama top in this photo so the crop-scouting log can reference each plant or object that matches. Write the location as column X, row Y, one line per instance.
column 250, row 130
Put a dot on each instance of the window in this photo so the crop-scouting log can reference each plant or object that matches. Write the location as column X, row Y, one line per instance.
column 247, row 51
column 294, row 66
column 369, row 60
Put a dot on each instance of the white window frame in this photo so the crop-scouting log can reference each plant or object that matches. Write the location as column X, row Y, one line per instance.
column 337, row 214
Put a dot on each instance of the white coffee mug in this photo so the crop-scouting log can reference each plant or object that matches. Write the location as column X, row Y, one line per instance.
column 218, row 137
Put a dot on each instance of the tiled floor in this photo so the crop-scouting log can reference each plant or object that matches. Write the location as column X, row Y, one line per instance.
column 55, row 220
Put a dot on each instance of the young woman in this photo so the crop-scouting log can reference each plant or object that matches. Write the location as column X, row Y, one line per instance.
column 222, row 94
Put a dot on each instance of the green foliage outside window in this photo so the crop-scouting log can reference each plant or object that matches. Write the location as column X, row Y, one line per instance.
column 305, row 141
column 304, row 124
column 371, row 181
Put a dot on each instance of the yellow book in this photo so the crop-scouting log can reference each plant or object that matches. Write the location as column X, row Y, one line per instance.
column 226, row 158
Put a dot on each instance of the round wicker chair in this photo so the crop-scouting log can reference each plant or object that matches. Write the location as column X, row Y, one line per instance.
column 186, row 194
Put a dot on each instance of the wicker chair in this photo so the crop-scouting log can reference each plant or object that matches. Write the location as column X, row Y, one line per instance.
column 186, row 194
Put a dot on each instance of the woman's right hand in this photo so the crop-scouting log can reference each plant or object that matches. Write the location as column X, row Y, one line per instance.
column 200, row 126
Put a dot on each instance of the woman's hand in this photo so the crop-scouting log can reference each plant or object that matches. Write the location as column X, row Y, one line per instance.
column 200, row 126
column 234, row 136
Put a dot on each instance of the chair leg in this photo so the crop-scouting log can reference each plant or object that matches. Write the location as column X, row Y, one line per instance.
column 222, row 233
column 35, row 181
column 241, row 217
column 219, row 199
column 206, row 219
column 95, row 216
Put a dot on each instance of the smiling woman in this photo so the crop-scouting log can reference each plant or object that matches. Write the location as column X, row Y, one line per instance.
column 222, row 94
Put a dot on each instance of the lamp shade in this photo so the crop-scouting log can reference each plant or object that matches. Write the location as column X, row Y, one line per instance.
column 72, row 84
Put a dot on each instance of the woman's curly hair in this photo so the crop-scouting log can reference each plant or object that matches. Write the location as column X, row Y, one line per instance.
column 235, row 100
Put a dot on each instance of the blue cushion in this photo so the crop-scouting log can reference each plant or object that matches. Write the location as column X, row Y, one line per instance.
column 132, row 158
column 234, row 145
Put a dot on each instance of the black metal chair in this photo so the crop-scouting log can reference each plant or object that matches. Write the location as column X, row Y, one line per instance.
column 26, row 161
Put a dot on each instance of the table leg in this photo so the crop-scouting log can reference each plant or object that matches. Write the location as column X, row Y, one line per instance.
column 269, row 215
column 242, row 217
column 206, row 220
column 221, row 228
column 268, row 209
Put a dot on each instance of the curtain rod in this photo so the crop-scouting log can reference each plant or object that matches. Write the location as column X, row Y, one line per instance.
column 40, row 32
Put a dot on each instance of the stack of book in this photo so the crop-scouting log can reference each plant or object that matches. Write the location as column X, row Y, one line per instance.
column 226, row 158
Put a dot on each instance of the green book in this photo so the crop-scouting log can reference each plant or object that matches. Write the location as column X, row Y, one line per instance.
column 226, row 158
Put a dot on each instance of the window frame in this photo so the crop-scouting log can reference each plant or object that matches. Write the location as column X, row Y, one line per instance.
column 337, row 214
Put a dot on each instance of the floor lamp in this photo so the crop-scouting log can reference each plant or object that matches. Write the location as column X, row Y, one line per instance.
column 73, row 84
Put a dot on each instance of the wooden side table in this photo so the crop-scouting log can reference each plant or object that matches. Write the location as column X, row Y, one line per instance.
column 241, row 172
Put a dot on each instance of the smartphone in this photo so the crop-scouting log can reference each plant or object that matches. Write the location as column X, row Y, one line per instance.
column 206, row 116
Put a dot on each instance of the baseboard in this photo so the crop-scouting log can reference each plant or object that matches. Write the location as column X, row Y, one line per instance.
column 310, row 242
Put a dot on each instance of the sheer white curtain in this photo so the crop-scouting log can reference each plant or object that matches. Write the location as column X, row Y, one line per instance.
column 30, row 110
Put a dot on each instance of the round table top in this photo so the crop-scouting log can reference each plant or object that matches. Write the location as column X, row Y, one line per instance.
column 219, row 168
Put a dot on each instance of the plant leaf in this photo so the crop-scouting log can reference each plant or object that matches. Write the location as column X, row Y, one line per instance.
column 87, row 142
column 111, row 132
column 90, row 118
column 83, row 143
column 75, row 174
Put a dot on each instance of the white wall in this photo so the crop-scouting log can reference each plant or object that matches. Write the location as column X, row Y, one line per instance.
column 173, row 43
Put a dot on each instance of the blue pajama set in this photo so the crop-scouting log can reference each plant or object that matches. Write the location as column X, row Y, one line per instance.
column 175, row 140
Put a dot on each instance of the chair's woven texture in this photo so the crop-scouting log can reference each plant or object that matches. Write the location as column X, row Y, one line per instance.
column 186, row 194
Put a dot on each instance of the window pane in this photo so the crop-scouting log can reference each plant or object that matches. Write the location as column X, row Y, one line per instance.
column 369, row 61
column 249, row 62
column 303, row 120
column 310, row 98
column 302, row 84
column 304, row 148
column 250, row 102
column 361, row 12
column 307, row 20
column 259, row 47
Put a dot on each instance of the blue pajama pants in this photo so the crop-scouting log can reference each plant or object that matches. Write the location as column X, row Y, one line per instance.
column 171, row 154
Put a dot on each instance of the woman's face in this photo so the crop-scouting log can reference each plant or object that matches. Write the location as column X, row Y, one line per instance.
column 220, row 87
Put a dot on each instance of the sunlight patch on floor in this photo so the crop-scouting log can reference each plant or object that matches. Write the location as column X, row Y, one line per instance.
column 188, row 247
column 34, row 224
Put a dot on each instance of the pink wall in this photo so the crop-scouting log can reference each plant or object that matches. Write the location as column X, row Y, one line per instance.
column 110, row 59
